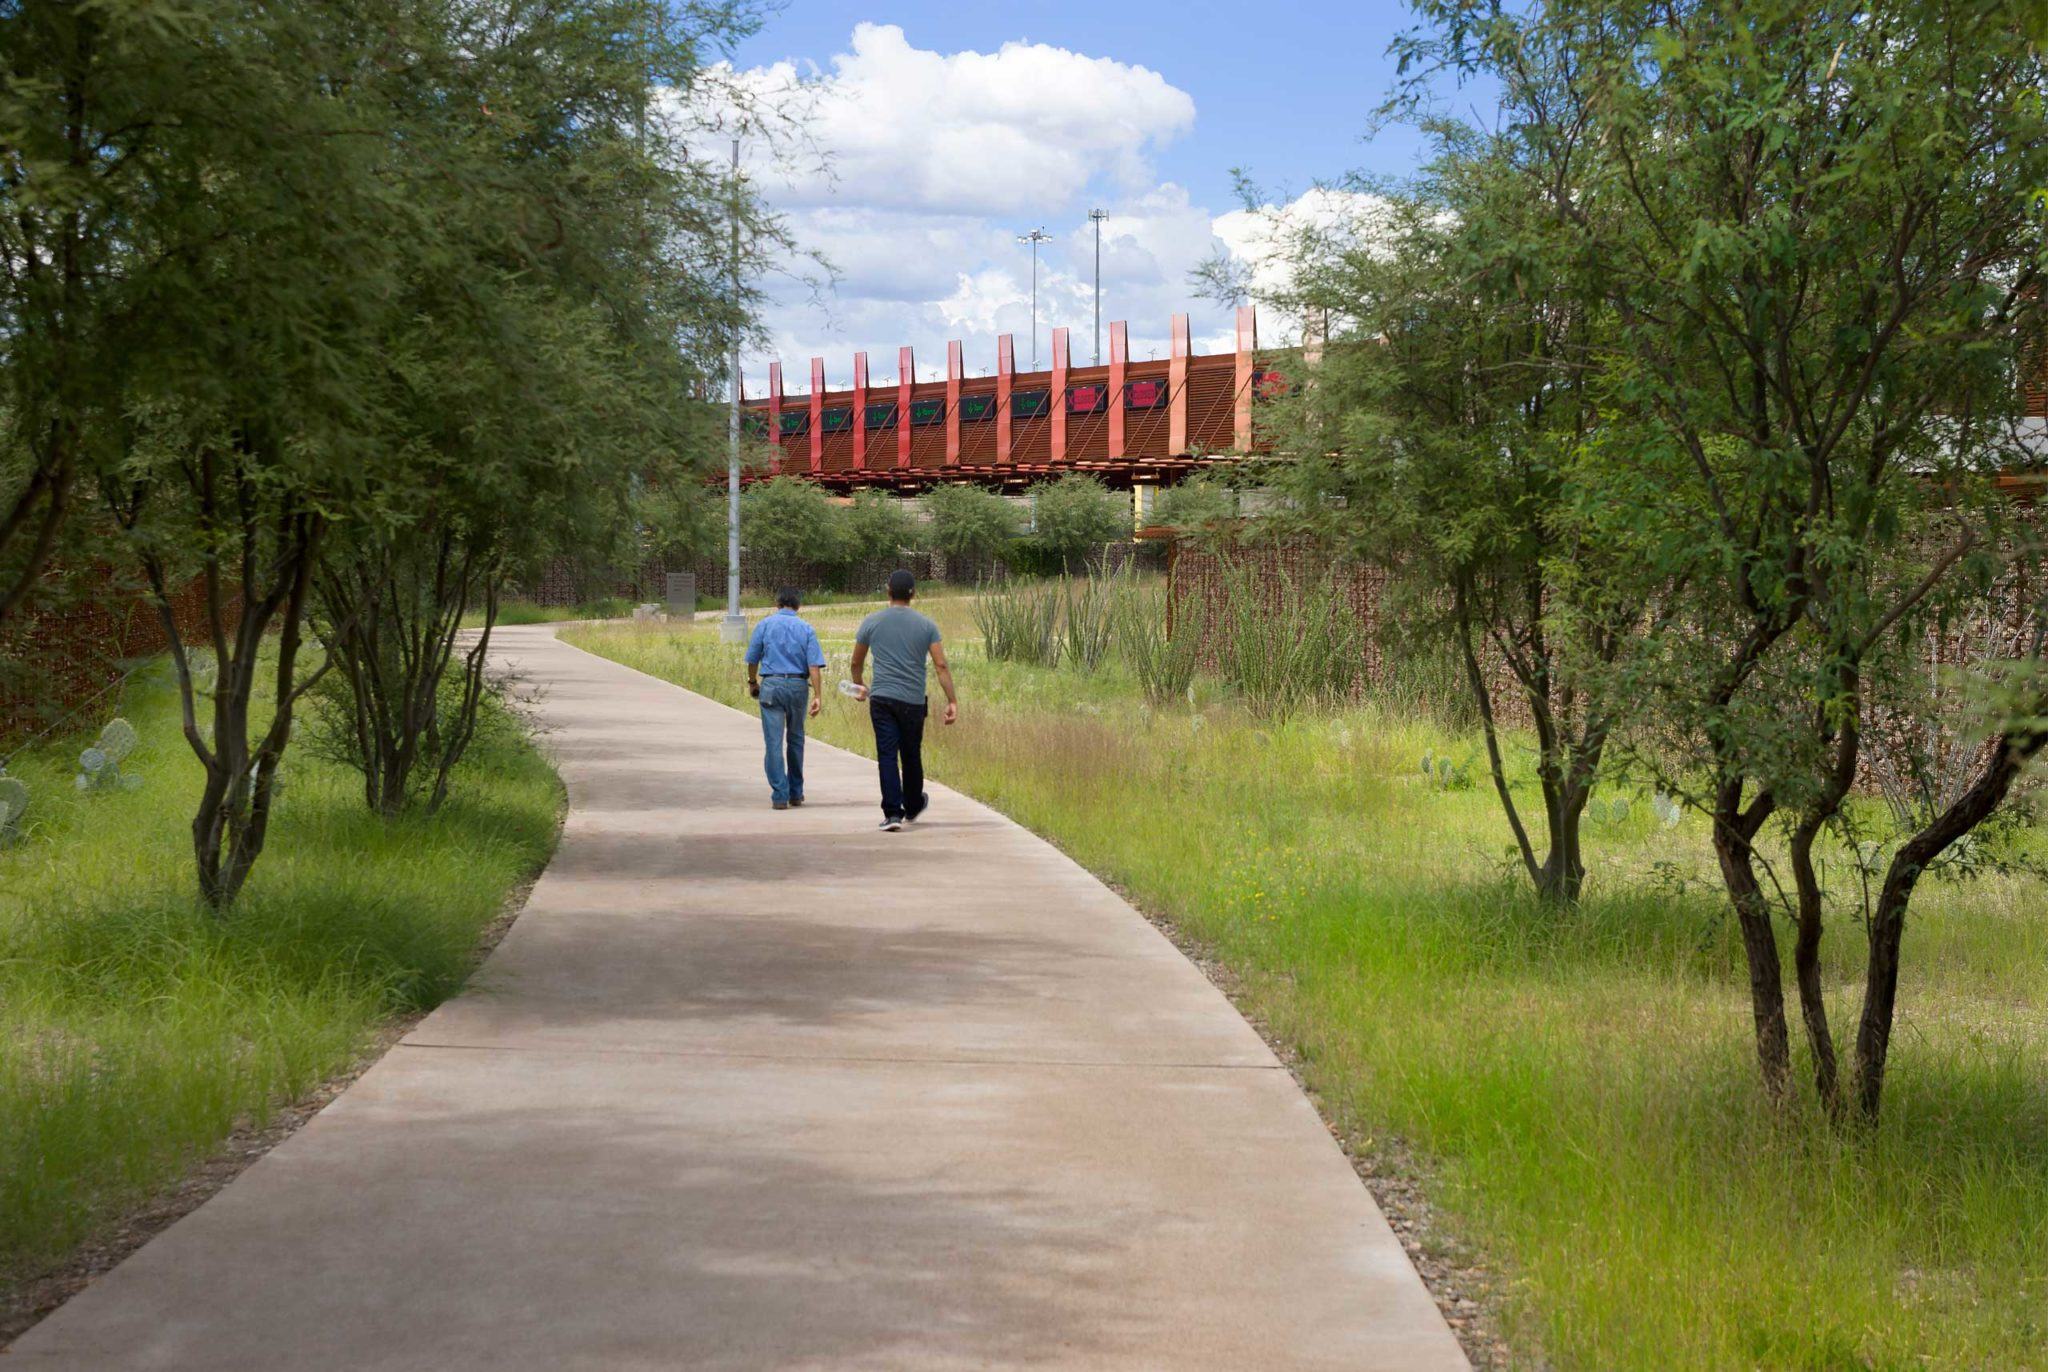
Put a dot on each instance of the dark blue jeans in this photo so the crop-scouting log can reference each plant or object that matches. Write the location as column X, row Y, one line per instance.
column 899, row 751
column 783, row 701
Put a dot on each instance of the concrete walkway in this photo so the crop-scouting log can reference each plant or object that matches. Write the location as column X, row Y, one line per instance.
column 748, row 1090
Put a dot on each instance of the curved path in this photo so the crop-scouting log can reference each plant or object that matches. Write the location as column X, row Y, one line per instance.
column 749, row 1090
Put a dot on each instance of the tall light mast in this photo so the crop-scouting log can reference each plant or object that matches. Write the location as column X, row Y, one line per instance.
column 1098, row 216
column 1034, row 238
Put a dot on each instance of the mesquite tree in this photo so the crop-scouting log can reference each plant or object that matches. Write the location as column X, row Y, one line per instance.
column 1447, row 409
column 436, row 272
column 537, row 357
column 244, row 444
column 1819, row 236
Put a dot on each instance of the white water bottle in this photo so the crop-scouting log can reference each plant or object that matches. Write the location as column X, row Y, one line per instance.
column 848, row 688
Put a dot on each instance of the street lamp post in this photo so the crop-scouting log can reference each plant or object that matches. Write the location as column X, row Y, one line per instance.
column 1098, row 216
column 1034, row 238
column 733, row 628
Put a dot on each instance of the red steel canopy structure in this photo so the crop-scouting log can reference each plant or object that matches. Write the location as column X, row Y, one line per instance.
column 1126, row 423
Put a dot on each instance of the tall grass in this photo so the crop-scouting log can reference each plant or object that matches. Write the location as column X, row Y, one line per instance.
column 1019, row 621
column 1286, row 646
column 137, row 1029
column 1092, row 607
column 1162, row 660
column 1581, row 1087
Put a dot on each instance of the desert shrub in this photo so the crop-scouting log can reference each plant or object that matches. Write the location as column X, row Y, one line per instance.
column 681, row 522
column 970, row 521
column 1199, row 502
column 790, row 520
column 875, row 526
column 1074, row 515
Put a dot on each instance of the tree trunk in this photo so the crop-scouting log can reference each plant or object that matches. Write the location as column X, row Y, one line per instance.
column 1813, row 1005
column 1734, row 831
column 233, row 820
column 1475, row 680
column 1563, row 877
column 474, row 665
column 391, row 617
column 1888, row 921
column 1810, row 904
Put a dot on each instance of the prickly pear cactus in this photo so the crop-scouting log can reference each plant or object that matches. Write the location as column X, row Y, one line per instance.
column 204, row 669
column 118, row 740
column 99, row 767
column 13, row 805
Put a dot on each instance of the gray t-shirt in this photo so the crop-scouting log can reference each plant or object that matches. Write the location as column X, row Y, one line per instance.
column 899, row 642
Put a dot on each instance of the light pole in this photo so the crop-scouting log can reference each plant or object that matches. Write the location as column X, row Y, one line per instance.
column 1034, row 238
column 733, row 628
column 1098, row 216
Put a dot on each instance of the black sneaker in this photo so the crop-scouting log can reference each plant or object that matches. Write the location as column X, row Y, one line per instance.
column 795, row 801
column 891, row 824
column 924, row 802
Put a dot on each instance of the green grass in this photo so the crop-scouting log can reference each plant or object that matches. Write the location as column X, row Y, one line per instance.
column 1581, row 1088
column 137, row 1029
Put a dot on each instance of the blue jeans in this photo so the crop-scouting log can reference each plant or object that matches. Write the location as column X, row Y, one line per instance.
column 783, row 702
column 899, row 752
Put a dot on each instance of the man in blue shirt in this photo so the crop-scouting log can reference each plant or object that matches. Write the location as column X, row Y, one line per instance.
column 785, row 670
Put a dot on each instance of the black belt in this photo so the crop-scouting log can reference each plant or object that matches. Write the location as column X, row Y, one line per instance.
column 794, row 676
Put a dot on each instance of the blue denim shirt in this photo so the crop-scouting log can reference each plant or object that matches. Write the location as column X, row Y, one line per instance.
column 784, row 645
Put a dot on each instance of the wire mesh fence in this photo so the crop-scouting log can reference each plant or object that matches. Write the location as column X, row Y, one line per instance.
column 63, row 663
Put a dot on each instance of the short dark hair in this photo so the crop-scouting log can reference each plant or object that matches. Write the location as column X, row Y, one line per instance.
column 789, row 598
column 902, row 585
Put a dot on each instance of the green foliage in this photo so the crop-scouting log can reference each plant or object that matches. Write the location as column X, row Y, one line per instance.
column 1073, row 516
column 1162, row 660
column 876, row 526
column 681, row 522
column 1284, row 647
column 526, row 612
column 1019, row 621
column 1817, row 237
column 321, row 326
column 1195, row 504
column 1091, row 610
column 1437, row 441
column 791, row 521
column 118, row 125
column 971, row 521
column 1640, row 391
column 1446, row 775
column 1079, row 621
column 1609, row 810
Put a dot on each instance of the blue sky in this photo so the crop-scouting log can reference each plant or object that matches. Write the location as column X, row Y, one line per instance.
column 951, row 128
column 1283, row 88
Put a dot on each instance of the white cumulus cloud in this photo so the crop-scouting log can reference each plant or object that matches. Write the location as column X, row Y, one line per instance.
column 934, row 162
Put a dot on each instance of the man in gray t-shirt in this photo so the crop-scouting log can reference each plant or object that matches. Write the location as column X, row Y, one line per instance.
column 900, row 640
